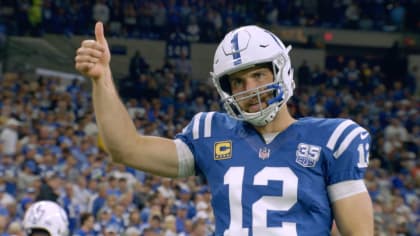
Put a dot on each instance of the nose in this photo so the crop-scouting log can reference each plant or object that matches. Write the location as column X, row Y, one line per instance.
column 250, row 83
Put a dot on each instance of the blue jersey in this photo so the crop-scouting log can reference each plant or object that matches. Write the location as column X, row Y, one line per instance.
column 280, row 187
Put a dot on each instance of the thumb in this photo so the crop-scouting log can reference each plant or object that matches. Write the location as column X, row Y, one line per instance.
column 99, row 33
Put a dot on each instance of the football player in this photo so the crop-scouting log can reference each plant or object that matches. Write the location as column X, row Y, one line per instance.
column 269, row 173
column 45, row 218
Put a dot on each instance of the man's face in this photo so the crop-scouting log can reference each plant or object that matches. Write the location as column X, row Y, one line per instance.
column 248, row 80
column 90, row 222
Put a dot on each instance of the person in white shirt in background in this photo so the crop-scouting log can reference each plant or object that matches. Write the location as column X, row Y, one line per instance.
column 5, row 197
column 9, row 136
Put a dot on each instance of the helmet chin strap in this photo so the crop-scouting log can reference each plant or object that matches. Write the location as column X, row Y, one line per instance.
column 267, row 117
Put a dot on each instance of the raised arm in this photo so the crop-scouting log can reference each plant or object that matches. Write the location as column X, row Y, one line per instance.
column 151, row 154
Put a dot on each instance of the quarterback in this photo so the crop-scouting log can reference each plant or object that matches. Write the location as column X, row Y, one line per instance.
column 269, row 173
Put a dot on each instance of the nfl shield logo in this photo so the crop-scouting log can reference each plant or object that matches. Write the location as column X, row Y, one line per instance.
column 264, row 153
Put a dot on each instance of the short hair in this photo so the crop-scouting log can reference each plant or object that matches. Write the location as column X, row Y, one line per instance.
column 156, row 217
column 197, row 223
column 84, row 217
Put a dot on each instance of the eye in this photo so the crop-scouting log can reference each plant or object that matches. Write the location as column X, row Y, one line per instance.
column 236, row 82
column 258, row 75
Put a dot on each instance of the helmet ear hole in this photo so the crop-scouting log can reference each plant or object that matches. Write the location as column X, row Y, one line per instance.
column 225, row 85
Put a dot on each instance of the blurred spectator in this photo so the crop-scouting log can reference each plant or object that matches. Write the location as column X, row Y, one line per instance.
column 27, row 175
column 68, row 200
column 130, row 20
column 35, row 17
column 411, row 80
column 50, row 188
column 150, row 232
column 193, row 30
column 159, row 23
column 116, row 19
column 184, row 201
column 27, row 199
column 9, row 173
column 397, row 15
column 183, row 67
column 13, row 211
column 199, row 228
column 132, row 231
column 103, row 219
column 4, row 221
column 15, row 229
column 9, row 136
column 352, row 15
column 98, row 199
column 5, row 197
column 138, row 65
column 111, row 230
column 169, row 226
column 166, row 189
column 352, row 74
column 198, row 105
column 154, row 225
column 87, row 221
column 395, row 135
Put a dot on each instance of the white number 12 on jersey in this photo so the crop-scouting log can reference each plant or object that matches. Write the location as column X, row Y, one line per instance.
column 234, row 179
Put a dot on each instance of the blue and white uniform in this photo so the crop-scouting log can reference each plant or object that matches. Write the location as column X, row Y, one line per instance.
column 279, row 185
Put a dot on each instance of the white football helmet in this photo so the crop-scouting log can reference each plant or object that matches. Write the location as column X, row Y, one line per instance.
column 244, row 48
column 48, row 216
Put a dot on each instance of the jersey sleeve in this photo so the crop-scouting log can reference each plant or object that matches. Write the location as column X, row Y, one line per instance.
column 188, row 143
column 347, row 152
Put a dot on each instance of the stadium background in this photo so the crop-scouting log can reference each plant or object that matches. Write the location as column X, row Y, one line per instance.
column 356, row 59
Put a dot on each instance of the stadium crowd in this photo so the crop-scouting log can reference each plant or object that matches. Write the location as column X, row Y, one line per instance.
column 204, row 21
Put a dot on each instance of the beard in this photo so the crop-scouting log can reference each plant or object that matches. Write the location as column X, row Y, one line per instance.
column 253, row 105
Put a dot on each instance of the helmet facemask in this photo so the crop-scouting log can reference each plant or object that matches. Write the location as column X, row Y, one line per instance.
column 280, row 90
